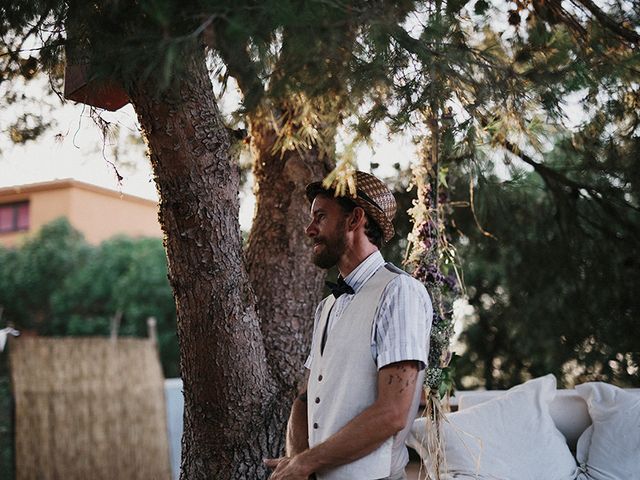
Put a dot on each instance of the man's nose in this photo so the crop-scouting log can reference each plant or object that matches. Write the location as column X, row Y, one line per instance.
column 311, row 230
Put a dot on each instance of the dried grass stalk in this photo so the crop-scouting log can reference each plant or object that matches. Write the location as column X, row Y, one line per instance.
column 89, row 408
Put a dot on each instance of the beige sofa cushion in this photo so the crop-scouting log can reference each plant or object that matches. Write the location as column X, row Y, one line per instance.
column 568, row 410
column 610, row 447
column 510, row 437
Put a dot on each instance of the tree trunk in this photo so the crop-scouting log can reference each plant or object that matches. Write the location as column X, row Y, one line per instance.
column 288, row 285
column 230, row 399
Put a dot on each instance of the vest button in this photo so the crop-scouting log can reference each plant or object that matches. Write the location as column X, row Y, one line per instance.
column 315, row 425
column 317, row 399
column 319, row 378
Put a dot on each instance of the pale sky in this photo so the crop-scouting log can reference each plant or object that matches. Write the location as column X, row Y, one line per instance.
column 74, row 149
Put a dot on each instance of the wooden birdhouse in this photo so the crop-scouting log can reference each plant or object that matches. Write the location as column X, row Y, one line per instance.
column 106, row 94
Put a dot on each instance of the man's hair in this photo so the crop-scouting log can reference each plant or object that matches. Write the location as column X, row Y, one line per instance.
column 372, row 229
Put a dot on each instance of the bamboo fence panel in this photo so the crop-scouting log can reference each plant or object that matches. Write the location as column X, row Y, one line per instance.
column 89, row 408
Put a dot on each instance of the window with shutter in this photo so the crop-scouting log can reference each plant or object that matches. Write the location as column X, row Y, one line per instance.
column 14, row 217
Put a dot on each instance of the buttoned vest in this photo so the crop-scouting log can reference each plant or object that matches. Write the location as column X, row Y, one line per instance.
column 343, row 379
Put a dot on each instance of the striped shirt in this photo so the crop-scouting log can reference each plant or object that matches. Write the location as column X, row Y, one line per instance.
column 402, row 321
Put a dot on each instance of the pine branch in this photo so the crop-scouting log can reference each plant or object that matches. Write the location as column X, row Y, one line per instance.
column 554, row 178
column 609, row 23
column 13, row 50
column 413, row 45
column 554, row 12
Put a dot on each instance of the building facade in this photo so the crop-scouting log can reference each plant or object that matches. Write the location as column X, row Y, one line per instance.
column 97, row 212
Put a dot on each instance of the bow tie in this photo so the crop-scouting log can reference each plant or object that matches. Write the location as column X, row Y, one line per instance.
column 339, row 288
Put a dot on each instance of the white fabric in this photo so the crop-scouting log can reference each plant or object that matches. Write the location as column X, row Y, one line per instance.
column 568, row 410
column 512, row 437
column 4, row 333
column 402, row 319
column 610, row 448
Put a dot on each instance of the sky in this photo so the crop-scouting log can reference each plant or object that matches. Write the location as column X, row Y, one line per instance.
column 74, row 148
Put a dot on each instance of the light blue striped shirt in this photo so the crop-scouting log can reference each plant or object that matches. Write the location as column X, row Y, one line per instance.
column 402, row 319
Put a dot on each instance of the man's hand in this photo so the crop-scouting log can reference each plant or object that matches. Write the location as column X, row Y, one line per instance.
column 286, row 468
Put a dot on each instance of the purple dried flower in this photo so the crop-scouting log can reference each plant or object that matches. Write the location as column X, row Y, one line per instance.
column 451, row 281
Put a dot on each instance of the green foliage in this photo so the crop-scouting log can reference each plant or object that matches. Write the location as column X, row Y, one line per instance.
column 30, row 275
column 57, row 284
column 6, row 422
column 555, row 292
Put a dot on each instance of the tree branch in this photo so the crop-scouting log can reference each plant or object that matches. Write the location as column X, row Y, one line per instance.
column 609, row 23
column 554, row 12
column 411, row 44
column 553, row 178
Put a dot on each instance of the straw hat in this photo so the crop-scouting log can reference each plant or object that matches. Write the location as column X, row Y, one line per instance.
column 372, row 195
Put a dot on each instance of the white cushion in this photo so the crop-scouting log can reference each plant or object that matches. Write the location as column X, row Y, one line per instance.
column 568, row 410
column 610, row 448
column 511, row 437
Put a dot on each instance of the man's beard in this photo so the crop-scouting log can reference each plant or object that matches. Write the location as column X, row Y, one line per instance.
column 333, row 249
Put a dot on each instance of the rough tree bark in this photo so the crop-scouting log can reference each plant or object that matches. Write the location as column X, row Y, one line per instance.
column 240, row 373
column 286, row 282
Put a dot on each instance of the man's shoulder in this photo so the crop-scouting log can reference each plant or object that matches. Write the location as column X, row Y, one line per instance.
column 393, row 269
column 329, row 299
column 404, row 280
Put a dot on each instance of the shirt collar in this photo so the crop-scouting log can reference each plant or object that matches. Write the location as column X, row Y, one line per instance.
column 363, row 272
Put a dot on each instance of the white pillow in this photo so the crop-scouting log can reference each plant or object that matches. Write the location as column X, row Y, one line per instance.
column 511, row 437
column 610, row 448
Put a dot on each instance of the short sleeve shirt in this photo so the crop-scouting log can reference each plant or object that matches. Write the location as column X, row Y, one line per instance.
column 402, row 322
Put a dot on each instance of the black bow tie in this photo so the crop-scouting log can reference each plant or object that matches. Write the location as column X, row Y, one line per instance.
column 339, row 288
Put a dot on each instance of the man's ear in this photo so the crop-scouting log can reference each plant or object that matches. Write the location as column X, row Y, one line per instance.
column 357, row 218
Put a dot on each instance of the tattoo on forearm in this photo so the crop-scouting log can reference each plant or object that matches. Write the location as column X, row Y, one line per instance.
column 400, row 379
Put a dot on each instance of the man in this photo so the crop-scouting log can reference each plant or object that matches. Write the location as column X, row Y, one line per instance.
column 369, row 347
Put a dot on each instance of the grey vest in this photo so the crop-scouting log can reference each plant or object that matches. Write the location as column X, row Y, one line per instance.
column 343, row 379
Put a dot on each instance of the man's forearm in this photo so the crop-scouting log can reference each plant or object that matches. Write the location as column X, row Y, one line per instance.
column 358, row 438
column 297, row 433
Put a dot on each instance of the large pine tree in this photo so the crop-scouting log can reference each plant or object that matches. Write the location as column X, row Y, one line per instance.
column 303, row 67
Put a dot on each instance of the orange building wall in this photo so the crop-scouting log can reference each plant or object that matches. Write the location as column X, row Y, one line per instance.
column 97, row 212
column 101, row 216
